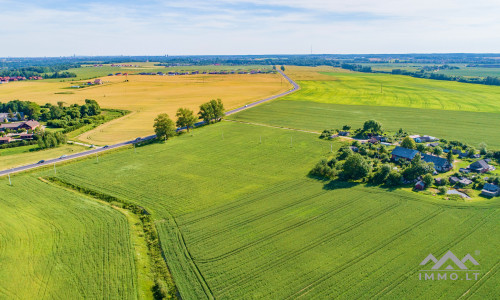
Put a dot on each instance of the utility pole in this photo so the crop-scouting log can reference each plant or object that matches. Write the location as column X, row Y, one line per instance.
column 260, row 141
column 55, row 172
column 10, row 182
column 97, row 156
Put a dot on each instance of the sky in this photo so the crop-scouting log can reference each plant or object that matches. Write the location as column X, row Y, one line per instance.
column 112, row 27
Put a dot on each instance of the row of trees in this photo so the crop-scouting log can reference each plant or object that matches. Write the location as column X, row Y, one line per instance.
column 50, row 140
column 64, row 116
column 210, row 112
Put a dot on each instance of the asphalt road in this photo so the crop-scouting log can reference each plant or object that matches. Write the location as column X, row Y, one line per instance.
column 98, row 150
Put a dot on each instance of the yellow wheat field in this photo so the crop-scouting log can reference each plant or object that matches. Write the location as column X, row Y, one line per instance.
column 147, row 96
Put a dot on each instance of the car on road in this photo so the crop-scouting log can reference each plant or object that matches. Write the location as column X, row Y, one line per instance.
column 105, row 146
column 138, row 139
column 62, row 156
column 246, row 105
column 41, row 162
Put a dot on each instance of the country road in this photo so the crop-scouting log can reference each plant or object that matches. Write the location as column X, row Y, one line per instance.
column 98, row 150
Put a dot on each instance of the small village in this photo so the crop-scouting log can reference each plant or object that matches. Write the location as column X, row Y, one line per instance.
column 451, row 169
column 13, row 128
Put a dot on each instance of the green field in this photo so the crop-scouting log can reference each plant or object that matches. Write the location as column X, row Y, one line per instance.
column 468, row 127
column 399, row 91
column 239, row 218
column 55, row 244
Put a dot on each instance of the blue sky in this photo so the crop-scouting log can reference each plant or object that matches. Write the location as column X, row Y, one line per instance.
column 105, row 27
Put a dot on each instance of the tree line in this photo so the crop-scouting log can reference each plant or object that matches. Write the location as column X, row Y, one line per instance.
column 210, row 112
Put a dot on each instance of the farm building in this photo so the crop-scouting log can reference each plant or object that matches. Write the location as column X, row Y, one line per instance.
column 26, row 136
column 440, row 164
column 98, row 81
column 428, row 138
column 490, row 190
column 28, row 125
column 5, row 140
column 344, row 133
column 403, row 153
column 454, row 180
column 480, row 166
column 420, row 185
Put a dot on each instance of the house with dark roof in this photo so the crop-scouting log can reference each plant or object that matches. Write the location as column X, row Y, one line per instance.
column 440, row 164
column 480, row 166
column 454, row 180
column 490, row 190
column 403, row 153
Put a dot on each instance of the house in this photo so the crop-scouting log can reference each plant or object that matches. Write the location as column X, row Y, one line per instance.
column 4, row 117
column 416, row 138
column 344, row 133
column 428, row 138
column 373, row 140
column 434, row 144
column 26, row 136
column 490, row 190
column 454, row 180
column 420, row 185
column 480, row 166
column 98, row 81
column 28, row 125
column 439, row 181
column 403, row 153
column 5, row 140
column 354, row 148
column 440, row 164
column 464, row 181
column 464, row 170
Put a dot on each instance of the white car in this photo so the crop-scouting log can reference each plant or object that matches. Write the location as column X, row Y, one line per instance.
column 62, row 156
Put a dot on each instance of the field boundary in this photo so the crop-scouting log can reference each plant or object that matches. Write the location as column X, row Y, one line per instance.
column 164, row 285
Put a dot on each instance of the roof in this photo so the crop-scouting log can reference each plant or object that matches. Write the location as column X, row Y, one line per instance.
column 6, row 138
column 11, row 125
column 480, row 164
column 32, row 123
column 490, row 187
column 436, row 160
column 404, row 152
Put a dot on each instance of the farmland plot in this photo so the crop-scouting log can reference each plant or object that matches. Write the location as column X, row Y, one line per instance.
column 238, row 218
column 55, row 244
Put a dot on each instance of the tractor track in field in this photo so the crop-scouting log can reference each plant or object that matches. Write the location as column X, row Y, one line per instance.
column 386, row 290
column 477, row 285
column 305, row 290
column 323, row 239
column 276, row 233
column 284, row 186
column 256, row 217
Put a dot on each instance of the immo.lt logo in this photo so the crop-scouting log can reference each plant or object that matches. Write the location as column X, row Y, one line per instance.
column 449, row 267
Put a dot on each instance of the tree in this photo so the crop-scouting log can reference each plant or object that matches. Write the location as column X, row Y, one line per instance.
column 324, row 169
column 372, row 126
column 394, row 179
column 450, row 157
column 438, row 150
column 355, row 167
column 60, row 104
column 381, row 175
column 10, row 114
column 471, row 151
column 408, row 143
column 283, row 68
column 417, row 168
column 427, row 179
column 185, row 118
column 211, row 111
column 164, row 127
column 421, row 147
column 483, row 148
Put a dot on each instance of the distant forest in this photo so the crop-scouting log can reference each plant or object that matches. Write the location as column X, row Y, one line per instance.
column 55, row 67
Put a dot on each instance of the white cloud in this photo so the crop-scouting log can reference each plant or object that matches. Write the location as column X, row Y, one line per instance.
column 247, row 27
